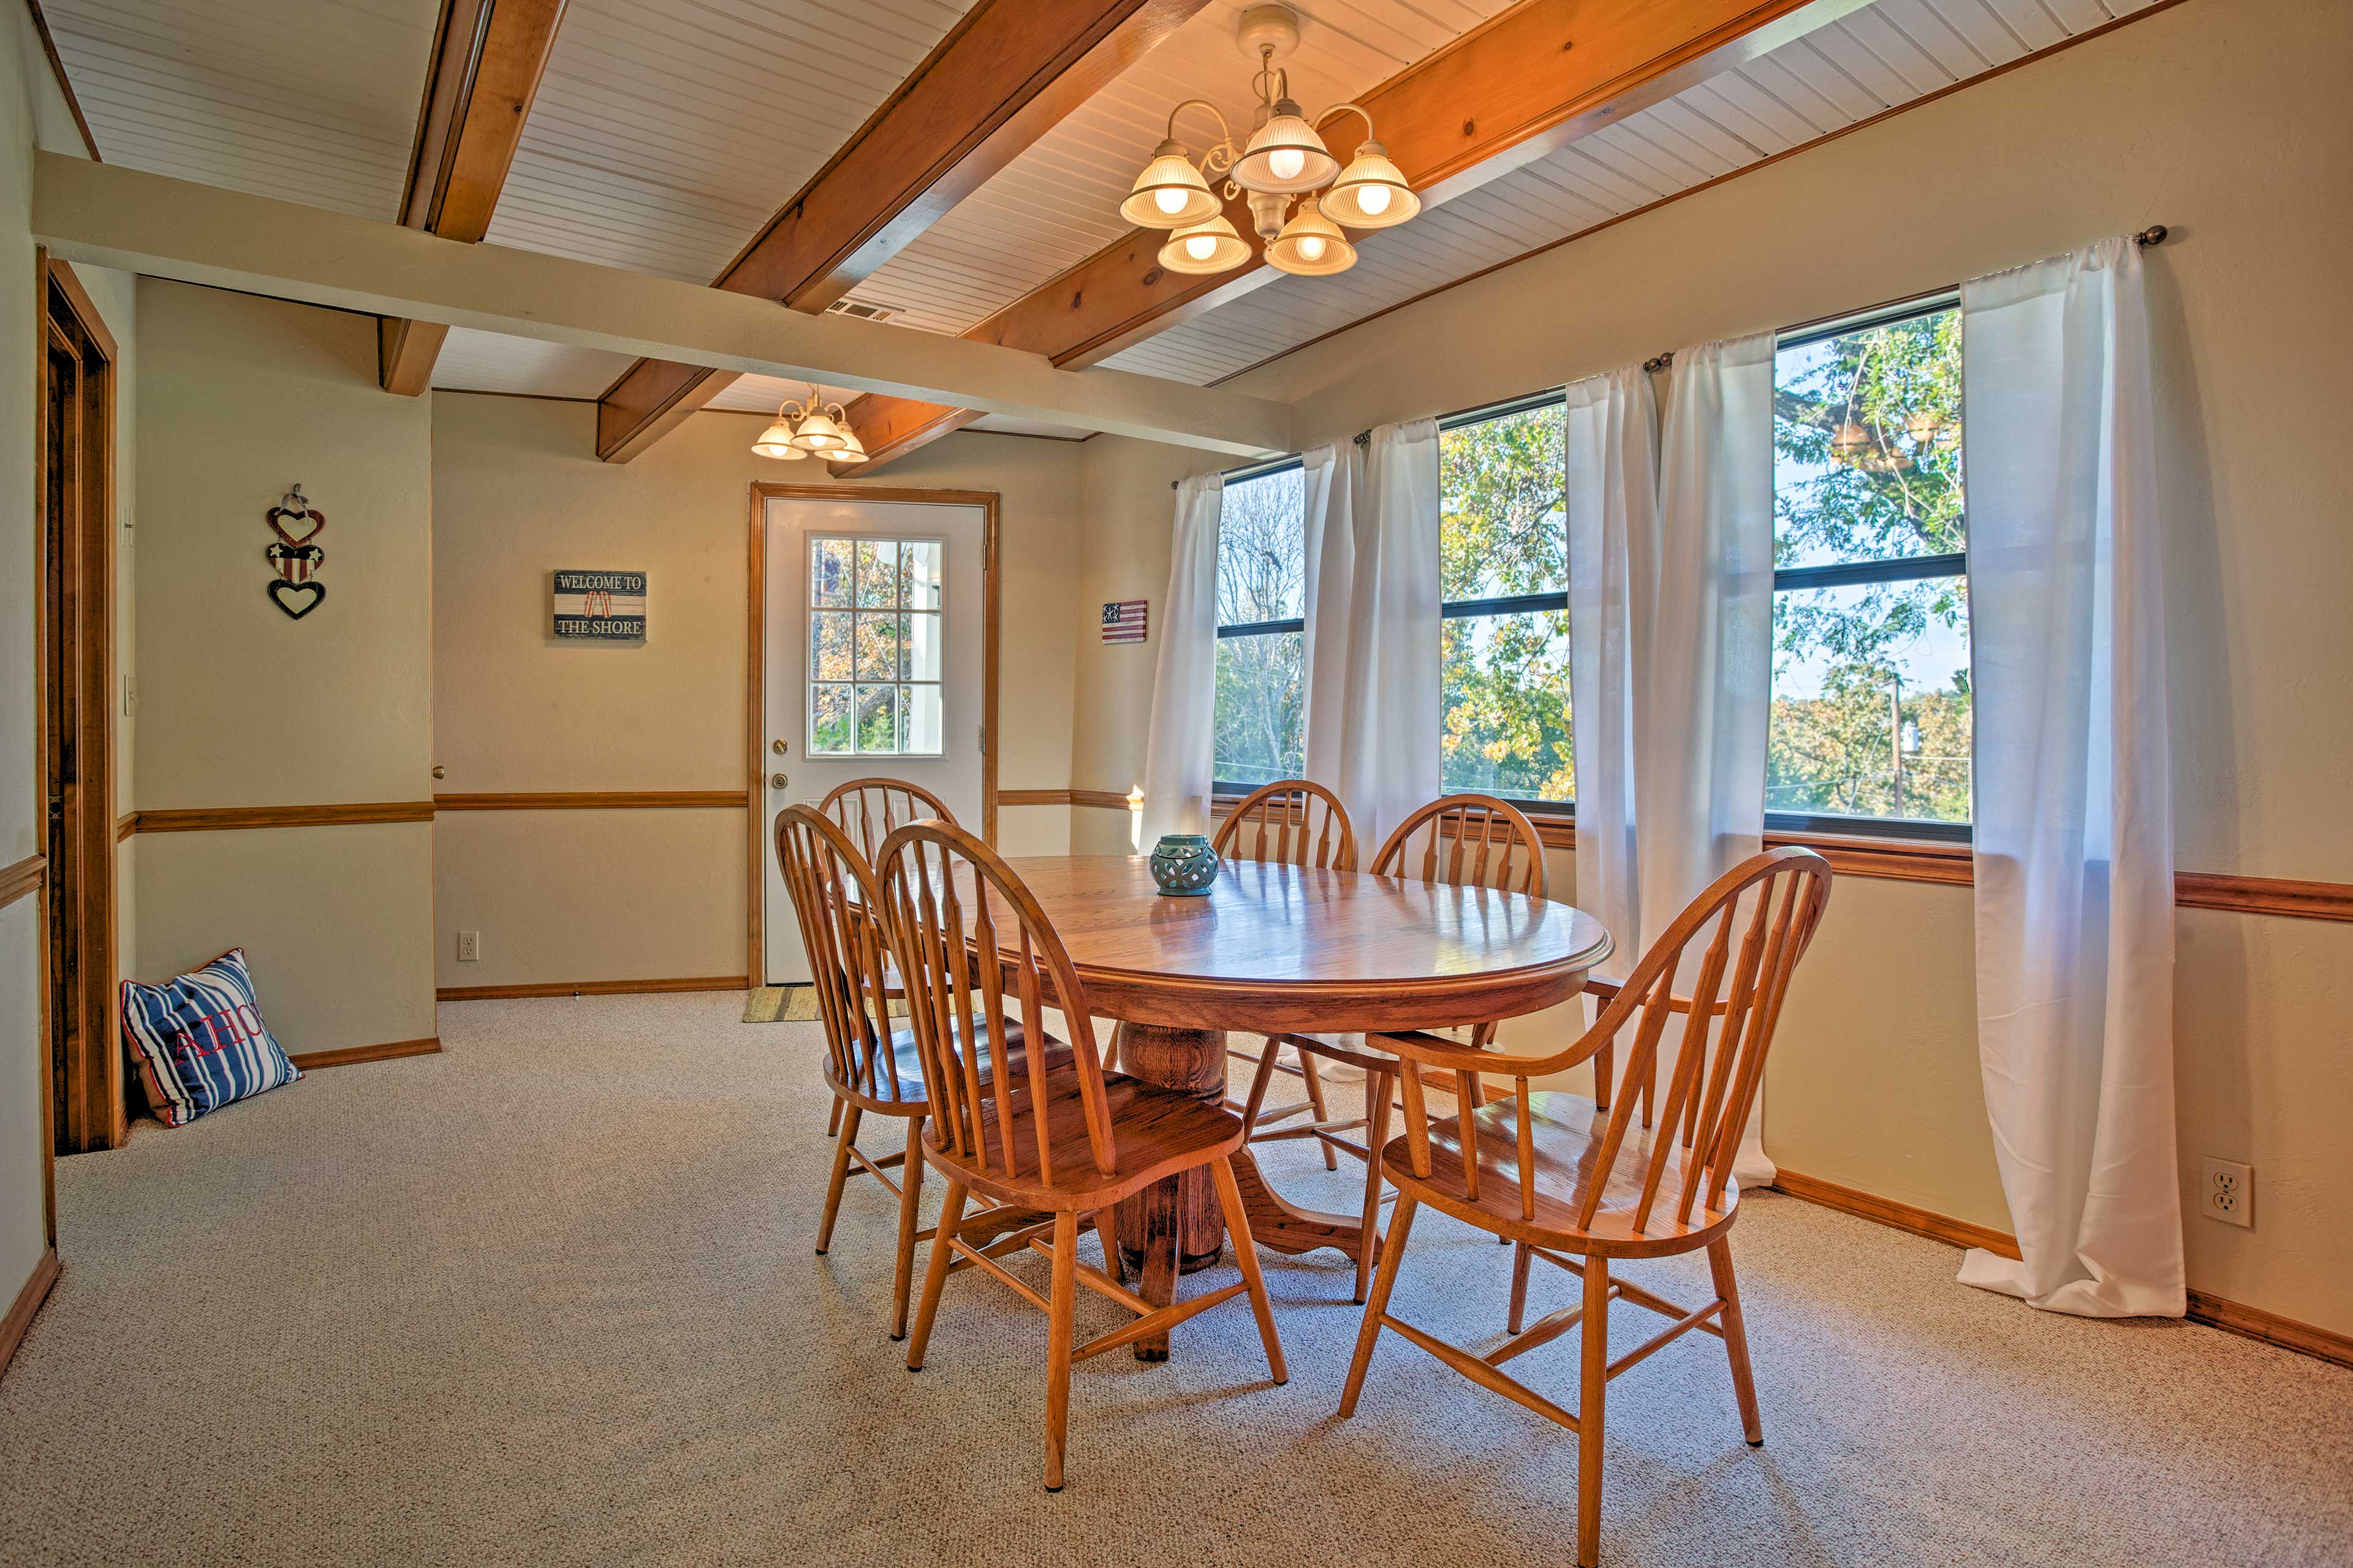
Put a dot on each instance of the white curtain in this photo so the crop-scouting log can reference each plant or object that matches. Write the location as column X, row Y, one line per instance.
column 1177, row 754
column 2074, row 841
column 1331, row 475
column 1609, row 439
column 1390, row 733
column 1700, row 629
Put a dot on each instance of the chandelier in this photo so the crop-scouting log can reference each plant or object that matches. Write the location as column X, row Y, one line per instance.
column 1283, row 158
column 811, row 429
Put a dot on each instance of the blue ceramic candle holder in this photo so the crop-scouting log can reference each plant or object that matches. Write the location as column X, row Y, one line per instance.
column 1184, row 865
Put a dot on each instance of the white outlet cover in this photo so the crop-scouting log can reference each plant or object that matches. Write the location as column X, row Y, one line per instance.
column 2227, row 1193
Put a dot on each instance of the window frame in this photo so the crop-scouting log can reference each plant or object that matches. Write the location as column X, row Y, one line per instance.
column 1224, row 789
column 1848, row 573
column 813, row 542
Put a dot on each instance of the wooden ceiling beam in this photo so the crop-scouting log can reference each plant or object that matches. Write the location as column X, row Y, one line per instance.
column 488, row 58
column 1003, row 76
column 1517, row 88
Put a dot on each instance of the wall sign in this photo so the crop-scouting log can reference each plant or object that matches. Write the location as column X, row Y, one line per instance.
column 1124, row 621
column 295, row 554
column 603, row 607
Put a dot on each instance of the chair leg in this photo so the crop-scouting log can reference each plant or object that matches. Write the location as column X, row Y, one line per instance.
column 1593, row 1392
column 1522, row 1254
column 1106, row 1233
column 1062, row 1304
column 842, row 1144
column 1401, row 1226
column 1604, row 1061
column 833, row 1122
column 1377, row 1089
column 1258, row 1080
column 1237, row 1233
column 937, row 1274
column 1316, row 1098
column 910, row 1192
column 1736, row 1339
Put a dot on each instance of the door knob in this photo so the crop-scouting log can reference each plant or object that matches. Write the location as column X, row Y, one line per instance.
column 778, row 780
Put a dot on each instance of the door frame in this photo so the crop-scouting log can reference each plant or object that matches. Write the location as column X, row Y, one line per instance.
column 755, row 673
column 82, row 1079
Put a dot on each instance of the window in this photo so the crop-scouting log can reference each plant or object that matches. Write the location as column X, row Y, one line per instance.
column 1870, row 714
column 1502, row 546
column 874, row 613
column 1262, row 630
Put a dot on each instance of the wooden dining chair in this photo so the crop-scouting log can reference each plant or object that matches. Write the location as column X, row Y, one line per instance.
column 869, row 1066
column 1461, row 840
column 1292, row 822
column 868, row 810
column 1583, row 1188
column 1070, row 1141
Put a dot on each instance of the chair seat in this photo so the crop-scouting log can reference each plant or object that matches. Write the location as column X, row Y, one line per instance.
column 1569, row 1131
column 1157, row 1131
column 907, row 1059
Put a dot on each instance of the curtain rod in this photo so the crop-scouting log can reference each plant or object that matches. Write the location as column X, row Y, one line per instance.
column 2155, row 234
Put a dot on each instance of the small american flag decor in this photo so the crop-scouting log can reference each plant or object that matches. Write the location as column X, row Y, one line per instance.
column 608, row 607
column 1124, row 621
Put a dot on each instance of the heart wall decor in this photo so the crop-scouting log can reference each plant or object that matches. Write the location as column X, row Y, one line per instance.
column 293, row 556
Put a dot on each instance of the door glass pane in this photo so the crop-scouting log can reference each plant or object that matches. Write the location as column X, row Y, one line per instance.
column 830, row 571
column 1501, row 529
column 878, row 719
column 878, row 573
column 1872, row 701
column 923, row 639
column 828, row 721
column 878, row 648
column 830, row 656
column 1505, row 705
column 921, row 566
column 1867, row 444
column 1258, row 713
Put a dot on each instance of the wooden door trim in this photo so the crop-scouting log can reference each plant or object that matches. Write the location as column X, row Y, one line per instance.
column 755, row 695
column 62, row 305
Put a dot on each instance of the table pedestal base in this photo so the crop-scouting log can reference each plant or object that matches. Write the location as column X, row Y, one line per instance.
column 1174, row 1226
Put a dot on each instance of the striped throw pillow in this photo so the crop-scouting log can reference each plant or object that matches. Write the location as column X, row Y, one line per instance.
column 200, row 1042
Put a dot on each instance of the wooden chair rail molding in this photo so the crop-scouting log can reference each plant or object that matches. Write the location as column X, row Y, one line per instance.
column 735, row 799
column 2215, row 1311
column 24, row 877
column 209, row 818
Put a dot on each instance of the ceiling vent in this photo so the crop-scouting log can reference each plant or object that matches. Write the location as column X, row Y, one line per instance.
column 862, row 310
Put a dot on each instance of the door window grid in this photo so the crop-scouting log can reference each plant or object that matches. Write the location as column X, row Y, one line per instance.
column 875, row 608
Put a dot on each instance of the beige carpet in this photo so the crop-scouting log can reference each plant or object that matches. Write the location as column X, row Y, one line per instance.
column 549, row 1298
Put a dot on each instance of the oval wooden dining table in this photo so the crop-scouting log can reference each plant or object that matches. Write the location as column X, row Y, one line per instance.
column 1274, row 949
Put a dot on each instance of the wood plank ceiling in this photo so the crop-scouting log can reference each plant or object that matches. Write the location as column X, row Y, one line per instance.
column 666, row 132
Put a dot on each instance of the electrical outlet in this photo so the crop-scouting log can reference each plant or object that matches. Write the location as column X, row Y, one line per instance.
column 469, row 947
column 2229, row 1192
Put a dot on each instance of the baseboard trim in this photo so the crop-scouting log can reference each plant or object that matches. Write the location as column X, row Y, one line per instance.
column 311, row 1062
column 2214, row 1311
column 28, row 1301
column 594, row 988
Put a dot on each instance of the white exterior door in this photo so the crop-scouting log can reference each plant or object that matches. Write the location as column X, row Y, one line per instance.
column 874, row 659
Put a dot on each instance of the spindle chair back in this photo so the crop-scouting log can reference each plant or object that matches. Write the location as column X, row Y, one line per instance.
column 1467, row 841
column 870, row 810
column 1579, row 1188
column 1290, row 822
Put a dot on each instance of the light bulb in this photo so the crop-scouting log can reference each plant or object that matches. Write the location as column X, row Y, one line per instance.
column 1201, row 247
column 1373, row 200
column 1284, row 163
column 1311, row 248
column 1170, row 199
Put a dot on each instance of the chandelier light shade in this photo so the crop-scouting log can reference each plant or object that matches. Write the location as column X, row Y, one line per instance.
column 1285, row 155
column 851, row 450
column 1211, row 246
column 1311, row 245
column 818, row 432
column 777, row 441
column 1170, row 192
column 1371, row 192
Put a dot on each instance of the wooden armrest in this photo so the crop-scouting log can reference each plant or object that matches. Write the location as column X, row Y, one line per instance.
column 1608, row 991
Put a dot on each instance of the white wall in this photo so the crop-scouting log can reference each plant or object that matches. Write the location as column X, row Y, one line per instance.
column 2225, row 120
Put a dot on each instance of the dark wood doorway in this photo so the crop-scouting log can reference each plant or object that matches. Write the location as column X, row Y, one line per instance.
column 74, row 470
